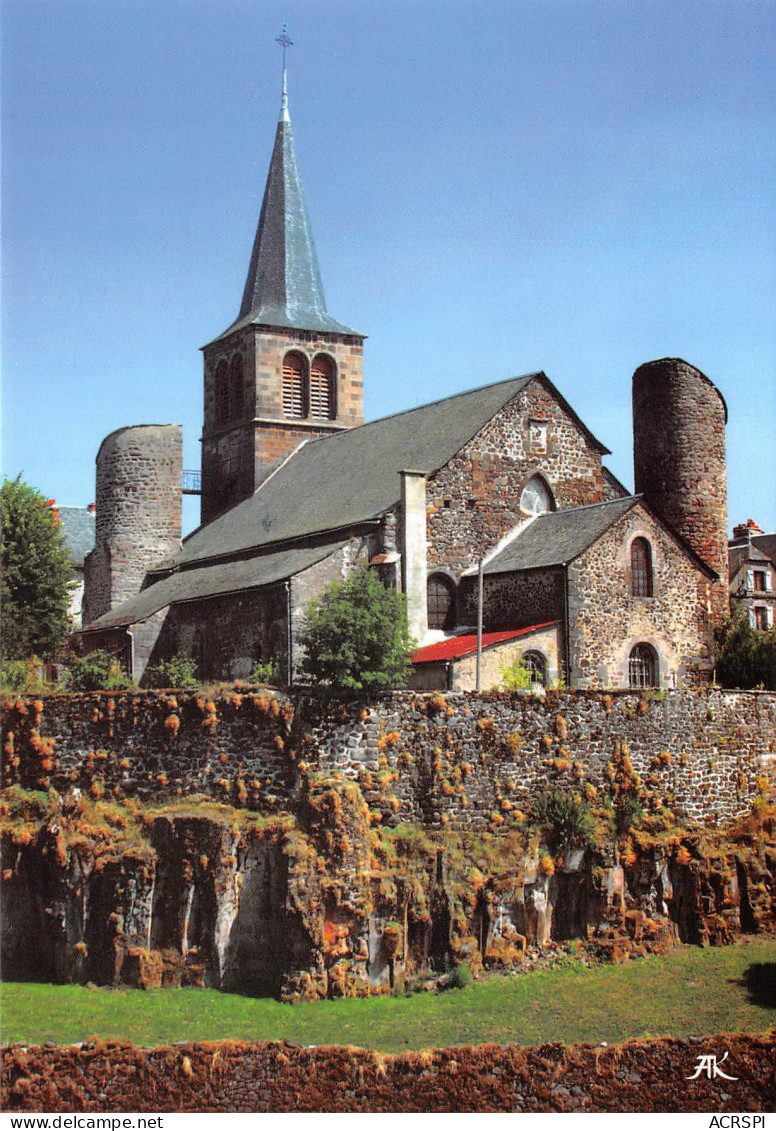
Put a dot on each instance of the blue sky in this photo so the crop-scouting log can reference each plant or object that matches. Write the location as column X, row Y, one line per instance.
column 495, row 186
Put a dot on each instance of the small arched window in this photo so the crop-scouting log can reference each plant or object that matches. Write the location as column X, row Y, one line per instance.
column 236, row 388
column 536, row 497
column 536, row 666
column 323, row 400
column 643, row 667
column 641, row 568
column 440, row 592
column 222, row 393
column 294, row 386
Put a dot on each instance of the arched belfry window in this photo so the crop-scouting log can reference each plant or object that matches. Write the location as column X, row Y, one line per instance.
column 323, row 393
column 222, row 393
column 643, row 668
column 440, row 595
column 641, row 568
column 236, row 388
column 536, row 497
column 294, row 385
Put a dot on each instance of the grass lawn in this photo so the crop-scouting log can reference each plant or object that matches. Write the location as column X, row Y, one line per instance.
column 689, row 992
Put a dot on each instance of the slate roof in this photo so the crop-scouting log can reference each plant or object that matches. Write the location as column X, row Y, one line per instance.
column 738, row 555
column 350, row 477
column 559, row 537
column 456, row 647
column 284, row 287
column 78, row 528
column 212, row 581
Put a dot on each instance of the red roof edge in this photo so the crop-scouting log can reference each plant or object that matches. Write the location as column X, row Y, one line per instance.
column 456, row 647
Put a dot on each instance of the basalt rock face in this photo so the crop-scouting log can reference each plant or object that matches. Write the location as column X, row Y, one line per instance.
column 323, row 906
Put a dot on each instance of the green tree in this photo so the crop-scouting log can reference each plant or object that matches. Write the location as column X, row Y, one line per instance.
column 356, row 636
column 36, row 574
column 746, row 656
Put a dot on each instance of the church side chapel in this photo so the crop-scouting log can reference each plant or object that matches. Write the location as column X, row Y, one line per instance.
column 499, row 491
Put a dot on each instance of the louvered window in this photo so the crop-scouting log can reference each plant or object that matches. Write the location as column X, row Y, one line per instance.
column 643, row 667
column 322, row 388
column 294, row 392
column 237, row 388
column 641, row 568
column 222, row 393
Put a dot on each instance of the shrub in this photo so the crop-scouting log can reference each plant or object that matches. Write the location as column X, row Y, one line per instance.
column 628, row 811
column 516, row 677
column 356, row 636
column 98, row 671
column 564, row 818
column 179, row 671
column 23, row 675
column 746, row 656
column 264, row 671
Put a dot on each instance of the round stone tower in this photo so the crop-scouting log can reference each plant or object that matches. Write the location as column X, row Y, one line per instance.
column 679, row 420
column 138, row 516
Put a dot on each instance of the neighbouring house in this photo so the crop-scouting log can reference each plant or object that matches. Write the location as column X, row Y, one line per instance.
column 753, row 574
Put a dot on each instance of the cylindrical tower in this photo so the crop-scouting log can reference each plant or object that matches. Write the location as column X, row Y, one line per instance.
column 138, row 519
column 679, row 420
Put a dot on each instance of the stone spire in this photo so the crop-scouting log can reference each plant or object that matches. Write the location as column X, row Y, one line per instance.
column 284, row 286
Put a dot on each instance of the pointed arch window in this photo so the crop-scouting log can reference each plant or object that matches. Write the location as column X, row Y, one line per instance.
column 643, row 668
column 294, row 386
column 440, row 595
column 536, row 497
column 222, row 393
column 236, row 388
column 323, row 400
column 641, row 568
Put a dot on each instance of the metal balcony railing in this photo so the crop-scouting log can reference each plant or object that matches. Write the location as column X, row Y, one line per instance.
column 192, row 482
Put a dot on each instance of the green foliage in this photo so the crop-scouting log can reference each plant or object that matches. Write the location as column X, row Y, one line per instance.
column 356, row 636
column 180, row 671
column 628, row 811
column 264, row 671
column 746, row 656
column 459, row 978
column 97, row 671
column 23, row 675
column 564, row 818
column 516, row 677
column 36, row 574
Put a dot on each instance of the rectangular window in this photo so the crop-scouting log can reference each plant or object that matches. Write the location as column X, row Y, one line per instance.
column 759, row 581
column 760, row 616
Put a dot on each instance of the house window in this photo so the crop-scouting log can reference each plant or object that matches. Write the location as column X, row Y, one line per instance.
column 536, row 497
column 440, row 592
column 294, row 386
column 323, row 399
column 236, row 388
column 222, row 393
column 536, row 666
column 759, row 581
column 641, row 568
column 643, row 667
column 760, row 616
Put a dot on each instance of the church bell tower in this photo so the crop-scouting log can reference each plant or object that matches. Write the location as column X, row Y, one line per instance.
column 285, row 371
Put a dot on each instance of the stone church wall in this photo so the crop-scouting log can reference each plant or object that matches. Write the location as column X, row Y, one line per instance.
column 607, row 621
column 474, row 499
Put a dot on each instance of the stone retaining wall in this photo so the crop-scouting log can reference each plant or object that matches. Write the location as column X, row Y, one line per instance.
column 460, row 760
column 646, row 1076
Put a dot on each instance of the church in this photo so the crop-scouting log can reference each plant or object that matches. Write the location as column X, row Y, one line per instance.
column 491, row 510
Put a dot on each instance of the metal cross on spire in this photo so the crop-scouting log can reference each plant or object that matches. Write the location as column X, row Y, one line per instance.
column 284, row 42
